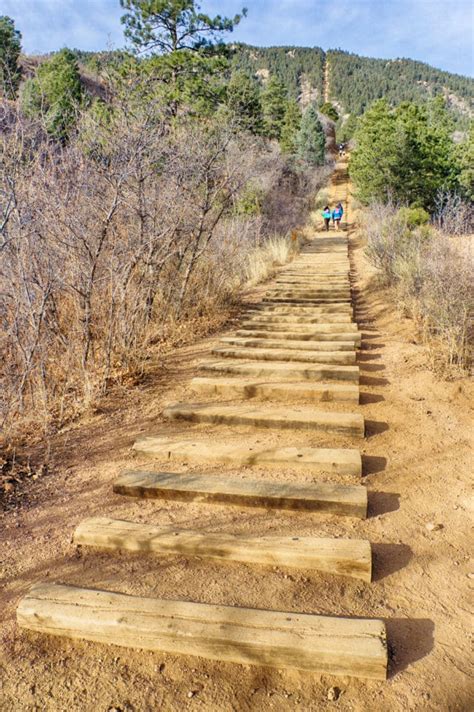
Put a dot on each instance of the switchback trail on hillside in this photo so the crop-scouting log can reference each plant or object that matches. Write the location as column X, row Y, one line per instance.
column 288, row 497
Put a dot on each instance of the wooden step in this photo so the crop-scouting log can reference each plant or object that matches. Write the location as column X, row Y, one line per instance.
column 274, row 391
column 353, row 337
column 275, row 299
column 306, row 293
column 276, row 343
column 305, row 309
column 284, row 370
column 300, row 417
column 312, row 310
column 267, row 354
column 318, row 644
column 343, row 500
column 345, row 557
column 341, row 461
column 304, row 321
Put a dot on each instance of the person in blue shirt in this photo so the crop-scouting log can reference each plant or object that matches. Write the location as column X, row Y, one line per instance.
column 337, row 214
column 326, row 213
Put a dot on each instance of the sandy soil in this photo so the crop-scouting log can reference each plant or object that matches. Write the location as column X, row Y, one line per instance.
column 417, row 457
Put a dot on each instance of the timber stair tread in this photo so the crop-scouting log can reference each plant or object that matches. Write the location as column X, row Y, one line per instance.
column 328, row 498
column 277, row 343
column 354, row 337
column 302, row 417
column 345, row 557
column 275, row 390
column 290, row 371
column 280, row 639
column 248, row 453
column 287, row 354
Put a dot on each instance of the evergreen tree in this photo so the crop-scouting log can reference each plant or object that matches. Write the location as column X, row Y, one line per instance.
column 347, row 129
column 10, row 48
column 311, row 140
column 274, row 106
column 466, row 164
column 372, row 162
column 54, row 93
column 167, row 26
column 425, row 159
column 187, row 61
column 329, row 110
column 290, row 128
column 243, row 102
column 407, row 154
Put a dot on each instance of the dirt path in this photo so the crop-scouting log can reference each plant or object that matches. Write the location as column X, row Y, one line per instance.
column 417, row 454
column 326, row 78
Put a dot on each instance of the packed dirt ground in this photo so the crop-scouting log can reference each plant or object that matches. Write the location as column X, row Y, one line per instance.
column 417, row 457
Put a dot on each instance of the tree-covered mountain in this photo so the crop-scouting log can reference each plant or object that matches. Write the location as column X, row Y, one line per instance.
column 354, row 82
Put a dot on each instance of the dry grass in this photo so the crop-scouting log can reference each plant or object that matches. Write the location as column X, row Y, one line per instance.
column 276, row 251
column 432, row 276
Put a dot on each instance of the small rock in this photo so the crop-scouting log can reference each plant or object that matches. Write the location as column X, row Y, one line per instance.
column 333, row 694
column 432, row 527
column 8, row 487
column 471, row 575
column 191, row 693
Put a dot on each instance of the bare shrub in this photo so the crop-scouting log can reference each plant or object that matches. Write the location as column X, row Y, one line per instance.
column 432, row 276
column 125, row 237
column 453, row 215
column 446, row 303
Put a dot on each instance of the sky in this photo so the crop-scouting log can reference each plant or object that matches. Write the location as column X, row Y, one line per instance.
column 439, row 32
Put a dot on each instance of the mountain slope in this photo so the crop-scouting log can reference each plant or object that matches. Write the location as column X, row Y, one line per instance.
column 354, row 81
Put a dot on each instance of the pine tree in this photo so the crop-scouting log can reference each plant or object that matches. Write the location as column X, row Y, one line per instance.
column 243, row 102
column 311, row 140
column 466, row 164
column 329, row 110
column 372, row 162
column 54, row 94
column 406, row 154
column 274, row 106
column 347, row 129
column 10, row 48
column 290, row 128
column 188, row 57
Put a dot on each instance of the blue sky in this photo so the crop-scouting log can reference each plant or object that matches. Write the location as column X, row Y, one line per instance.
column 439, row 32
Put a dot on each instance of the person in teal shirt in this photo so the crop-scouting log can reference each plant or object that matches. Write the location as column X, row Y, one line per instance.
column 326, row 213
column 337, row 214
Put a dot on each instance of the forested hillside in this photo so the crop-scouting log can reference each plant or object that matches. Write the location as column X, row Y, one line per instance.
column 355, row 82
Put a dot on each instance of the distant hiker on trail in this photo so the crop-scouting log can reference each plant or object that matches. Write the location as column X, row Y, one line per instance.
column 326, row 213
column 342, row 151
column 337, row 214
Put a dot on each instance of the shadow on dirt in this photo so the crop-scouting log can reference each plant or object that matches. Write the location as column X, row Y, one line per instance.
column 383, row 503
column 409, row 640
column 389, row 558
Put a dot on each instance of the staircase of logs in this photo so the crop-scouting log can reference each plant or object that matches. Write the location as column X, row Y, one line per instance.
column 291, row 364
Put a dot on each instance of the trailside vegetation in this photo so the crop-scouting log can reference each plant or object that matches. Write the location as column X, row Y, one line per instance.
column 54, row 95
column 10, row 49
column 406, row 154
column 311, row 139
column 135, row 206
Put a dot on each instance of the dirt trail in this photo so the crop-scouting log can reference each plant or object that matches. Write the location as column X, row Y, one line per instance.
column 416, row 457
column 326, row 78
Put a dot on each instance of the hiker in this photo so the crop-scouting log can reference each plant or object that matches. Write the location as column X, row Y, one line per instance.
column 326, row 213
column 337, row 214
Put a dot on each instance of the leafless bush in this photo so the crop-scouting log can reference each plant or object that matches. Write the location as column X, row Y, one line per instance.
column 110, row 242
column 447, row 304
column 433, row 280
column 453, row 215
